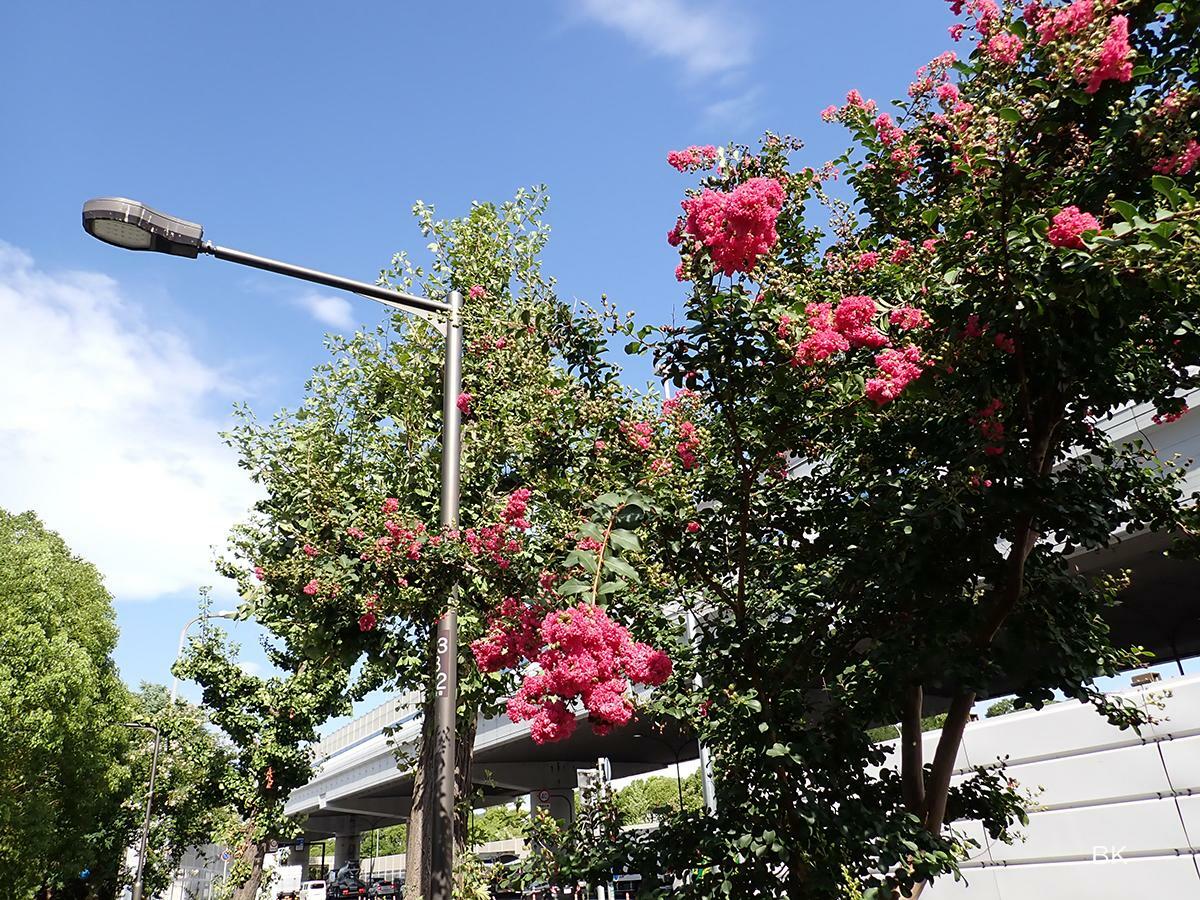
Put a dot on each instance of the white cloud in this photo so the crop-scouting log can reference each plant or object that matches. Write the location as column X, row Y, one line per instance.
column 331, row 310
column 250, row 667
column 705, row 40
column 106, row 431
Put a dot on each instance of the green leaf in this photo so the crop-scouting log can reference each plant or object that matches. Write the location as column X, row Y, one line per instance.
column 573, row 586
column 1008, row 114
column 624, row 540
column 1125, row 209
column 1162, row 184
column 618, row 566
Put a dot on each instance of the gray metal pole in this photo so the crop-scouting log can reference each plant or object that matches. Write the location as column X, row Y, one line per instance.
column 141, row 865
column 446, row 686
column 706, row 784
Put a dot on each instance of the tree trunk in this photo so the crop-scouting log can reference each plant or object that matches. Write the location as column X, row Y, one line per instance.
column 252, row 852
column 416, row 851
column 464, row 754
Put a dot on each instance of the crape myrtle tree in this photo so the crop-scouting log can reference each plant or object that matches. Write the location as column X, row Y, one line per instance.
column 271, row 723
column 899, row 433
column 344, row 558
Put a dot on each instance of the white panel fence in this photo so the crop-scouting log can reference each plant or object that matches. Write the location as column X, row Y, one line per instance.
column 1116, row 814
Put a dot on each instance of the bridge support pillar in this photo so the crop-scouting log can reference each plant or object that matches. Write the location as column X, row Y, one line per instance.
column 345, row 845
column 300, row 858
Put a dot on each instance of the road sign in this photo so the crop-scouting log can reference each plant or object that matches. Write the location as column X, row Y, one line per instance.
column 225, row 854
column 299, row 843
column 272, row 845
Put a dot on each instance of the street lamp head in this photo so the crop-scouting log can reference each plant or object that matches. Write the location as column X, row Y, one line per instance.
column 135, row 226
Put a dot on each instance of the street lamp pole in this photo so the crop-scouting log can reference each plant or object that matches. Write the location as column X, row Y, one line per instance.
column 135, row 226
column 141, row 863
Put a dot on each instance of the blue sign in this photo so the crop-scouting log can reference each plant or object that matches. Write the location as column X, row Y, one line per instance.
column 299, row 843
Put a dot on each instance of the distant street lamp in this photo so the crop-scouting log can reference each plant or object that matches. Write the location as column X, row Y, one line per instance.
column 141, row 863
column 219, row 614
column 135, row 226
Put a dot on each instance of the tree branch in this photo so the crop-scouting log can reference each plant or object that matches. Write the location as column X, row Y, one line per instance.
column 912, row 765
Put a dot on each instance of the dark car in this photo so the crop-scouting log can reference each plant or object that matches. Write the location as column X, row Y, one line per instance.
column 345, row 887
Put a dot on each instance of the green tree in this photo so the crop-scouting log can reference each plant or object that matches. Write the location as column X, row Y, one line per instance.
column 62, row 704
column 270, row 723
column 650, row 798
column 189, row 805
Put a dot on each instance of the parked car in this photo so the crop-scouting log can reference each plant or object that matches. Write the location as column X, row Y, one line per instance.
column 384, row 887
column 312, row 890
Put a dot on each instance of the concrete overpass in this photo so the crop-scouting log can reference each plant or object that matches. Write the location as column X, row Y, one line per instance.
column 358, row 785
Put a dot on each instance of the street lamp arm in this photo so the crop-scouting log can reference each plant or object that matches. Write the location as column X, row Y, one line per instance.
column 386, row 296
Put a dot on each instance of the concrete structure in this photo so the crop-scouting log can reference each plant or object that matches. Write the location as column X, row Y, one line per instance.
column 358, row 785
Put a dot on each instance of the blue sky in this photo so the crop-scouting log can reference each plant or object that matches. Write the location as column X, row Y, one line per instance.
column 306, row 131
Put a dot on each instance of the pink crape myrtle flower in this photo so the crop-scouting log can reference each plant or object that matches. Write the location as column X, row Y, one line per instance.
column 312, row 587
column 581, row 654
column 897, row 369
column 1004, row 48
column 737, row 227
column 853, row 319
column 1067, row 227
column 464, row 403
column 476, row 291
column 1180, row 163
column 1115, row 62
column 693, row 158
column 906, row 318
column 902, row 251
column 1062, row 22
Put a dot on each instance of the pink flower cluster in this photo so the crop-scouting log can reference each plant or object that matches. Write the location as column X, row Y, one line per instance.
column 1115, row 61
column 639, row 434
column 1168, row 417
column 1062, row 22
column 500, row 541
column 1067, row 228
column 867, row 261
column 693, row 158
column 1182, row 162
column 897, row 369
column 902, row 251
column 991, row 429
column 837, row 330
column 581, row 654
column 689, row 441
column 906, row 318
column 1004, row 48
column 985, row 13
column 889, row 132
column 854, row 100
column 738, row 227
column 476, row 291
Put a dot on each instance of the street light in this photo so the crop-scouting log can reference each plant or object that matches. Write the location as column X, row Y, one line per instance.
column 141, row 864
column 219, row 614
column 135, row 226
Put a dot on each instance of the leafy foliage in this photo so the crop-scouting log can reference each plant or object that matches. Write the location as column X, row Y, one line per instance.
column 900, row 409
